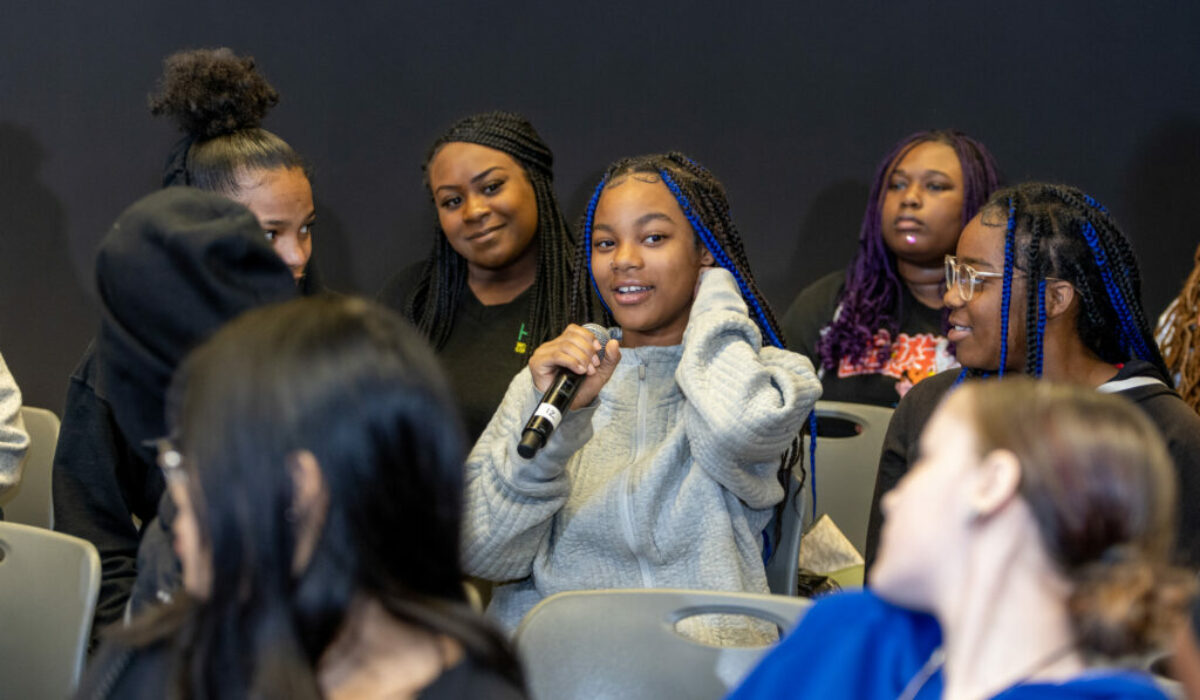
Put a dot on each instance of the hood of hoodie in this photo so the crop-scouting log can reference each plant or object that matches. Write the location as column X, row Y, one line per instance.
column 175, row 266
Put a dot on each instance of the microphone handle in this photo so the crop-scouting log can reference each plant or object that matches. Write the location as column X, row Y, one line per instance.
column 555, row 402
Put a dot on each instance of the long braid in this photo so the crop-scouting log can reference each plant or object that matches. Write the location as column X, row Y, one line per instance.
column 1035, row 305
column 1006, row 294
column 702, row 199
column 1085, row 247
column 872, row 292
column 433, row 301
column 1179, row 337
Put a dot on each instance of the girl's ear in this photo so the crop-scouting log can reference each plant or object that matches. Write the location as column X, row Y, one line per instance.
column 1059, row 295
column 997, row 482
column 706, row 258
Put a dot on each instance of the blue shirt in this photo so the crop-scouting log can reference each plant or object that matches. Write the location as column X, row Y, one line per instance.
column 856, row 645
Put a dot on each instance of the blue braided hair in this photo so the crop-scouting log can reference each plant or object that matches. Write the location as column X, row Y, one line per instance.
column 1059, row 232
column 1006, row 294
column 702, row 199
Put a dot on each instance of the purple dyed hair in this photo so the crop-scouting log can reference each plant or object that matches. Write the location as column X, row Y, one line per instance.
column 872, row 296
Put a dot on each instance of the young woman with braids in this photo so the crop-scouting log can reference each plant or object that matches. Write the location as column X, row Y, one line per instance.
column 664, row 472
column 219, row 100
column 1178, row 336
column 1045, row 283
column 318, row 522
column 497, row 282
column 877, row 328
column 1025, row 556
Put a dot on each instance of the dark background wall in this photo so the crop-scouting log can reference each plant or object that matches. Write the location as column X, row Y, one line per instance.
column 791, row 105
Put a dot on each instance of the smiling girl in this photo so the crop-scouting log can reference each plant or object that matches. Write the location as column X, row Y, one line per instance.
column 1045, row 283
column 497, row 282
column 666, row 470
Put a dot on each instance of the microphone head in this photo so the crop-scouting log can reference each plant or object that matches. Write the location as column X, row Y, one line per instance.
column 602, row 334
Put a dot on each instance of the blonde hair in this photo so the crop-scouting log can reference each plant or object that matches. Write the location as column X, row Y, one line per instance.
column 1178, row 335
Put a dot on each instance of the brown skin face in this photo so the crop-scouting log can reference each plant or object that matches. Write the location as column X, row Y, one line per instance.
column 921, row 215
column 486, row 206
column 975, row 324
column 282, row 201
column 645, row 260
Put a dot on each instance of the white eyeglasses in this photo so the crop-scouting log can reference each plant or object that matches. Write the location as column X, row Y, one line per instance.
column 965, row 278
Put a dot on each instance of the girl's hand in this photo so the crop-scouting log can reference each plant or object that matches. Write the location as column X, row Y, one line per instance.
column 576, row 350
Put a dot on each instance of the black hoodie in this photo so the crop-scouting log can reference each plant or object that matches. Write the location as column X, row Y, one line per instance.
column 175, row 266
column 1149, row 390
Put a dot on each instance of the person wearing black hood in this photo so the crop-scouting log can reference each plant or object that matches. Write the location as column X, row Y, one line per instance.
column 175, row 266
column 219, row 100
column 1046, row 284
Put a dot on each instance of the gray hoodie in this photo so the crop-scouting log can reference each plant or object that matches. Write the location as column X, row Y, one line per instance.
column 666, row 481
column 13, row 439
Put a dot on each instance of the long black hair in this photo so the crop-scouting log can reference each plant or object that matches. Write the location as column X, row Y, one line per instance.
column 432, row 302
column 1057, row 231
column 353, row 384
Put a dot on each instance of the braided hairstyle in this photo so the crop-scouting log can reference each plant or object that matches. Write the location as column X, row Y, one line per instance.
column 442, row 282
column 702, row 198
column 219, row 100
column 1179, row 337
column 1056, row 231
column 872, row 294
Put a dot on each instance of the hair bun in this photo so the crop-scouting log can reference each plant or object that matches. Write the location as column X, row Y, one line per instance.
column 211, row 92
column 1123, row 604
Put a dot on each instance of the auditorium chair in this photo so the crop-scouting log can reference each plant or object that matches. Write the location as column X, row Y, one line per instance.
column 48, row 587
column 623, row 643
column 849, row 441
column 29, row 503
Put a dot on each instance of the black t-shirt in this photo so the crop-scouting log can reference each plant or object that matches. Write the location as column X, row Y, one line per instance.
column 919, row 350
column 487, row 346
column 1178, row 424
column 119, row 671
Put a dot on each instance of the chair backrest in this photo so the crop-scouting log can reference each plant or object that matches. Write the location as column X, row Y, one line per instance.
column 849, row 442
column 846, row 466
column 48, row 587
column 30, row 502
column 782, row 567
column 623, row 643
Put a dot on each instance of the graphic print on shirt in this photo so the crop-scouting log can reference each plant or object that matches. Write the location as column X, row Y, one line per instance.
column 521, row 346
column 913, row 358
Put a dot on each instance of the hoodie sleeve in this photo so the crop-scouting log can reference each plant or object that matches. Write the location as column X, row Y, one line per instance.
column 14, row 441
column 745, row 403
column 96, row 482
column 511, row 501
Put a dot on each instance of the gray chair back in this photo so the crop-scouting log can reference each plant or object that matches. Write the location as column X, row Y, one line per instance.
column 48, row 587
column 845, row 480
column 30, row 502
column 846, row 467
column 623, row 643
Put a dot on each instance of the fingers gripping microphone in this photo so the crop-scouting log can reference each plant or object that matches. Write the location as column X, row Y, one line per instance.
column 556, row 401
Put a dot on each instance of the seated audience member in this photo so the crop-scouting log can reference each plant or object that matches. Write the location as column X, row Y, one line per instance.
column 497, row 283
column 1178, row 336
column 1024, row 553
column 316, row 462
column 175, row 266
column 667, row 467
column 877, row 328
column 14, row 441
column 1045, row 283
column 219, row 101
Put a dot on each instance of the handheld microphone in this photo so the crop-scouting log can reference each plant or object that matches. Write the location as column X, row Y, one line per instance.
column 557, row 400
